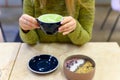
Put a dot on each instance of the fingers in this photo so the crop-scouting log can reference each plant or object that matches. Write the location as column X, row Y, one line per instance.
column 66, row 20
column 27, row 22
column 68, row 25
column 68, row 30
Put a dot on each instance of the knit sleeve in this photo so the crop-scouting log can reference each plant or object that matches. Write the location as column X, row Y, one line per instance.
column 83, row 31
column 31, row 37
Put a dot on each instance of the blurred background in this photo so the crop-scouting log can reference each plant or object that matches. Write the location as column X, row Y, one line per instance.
column 106, row 21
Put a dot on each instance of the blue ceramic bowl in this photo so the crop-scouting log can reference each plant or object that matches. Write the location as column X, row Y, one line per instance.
column 49, row 27
column 43, row 64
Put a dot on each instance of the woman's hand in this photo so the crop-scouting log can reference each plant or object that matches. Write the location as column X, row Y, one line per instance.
column 68, row 25
column 27, row 22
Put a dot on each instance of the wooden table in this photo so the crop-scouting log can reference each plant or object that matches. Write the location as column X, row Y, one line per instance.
column 8, row 53
column 106, row 56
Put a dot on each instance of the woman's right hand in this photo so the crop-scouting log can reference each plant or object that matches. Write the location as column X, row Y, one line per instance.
column 27, row 22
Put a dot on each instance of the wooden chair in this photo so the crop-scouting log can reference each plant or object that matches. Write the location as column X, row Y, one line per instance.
column 22, row 3
column 2, row 34
column 3, row 37
column 115, row 6
column 17, row 38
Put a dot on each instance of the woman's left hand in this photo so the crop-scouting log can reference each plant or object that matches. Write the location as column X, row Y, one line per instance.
column 68, row 25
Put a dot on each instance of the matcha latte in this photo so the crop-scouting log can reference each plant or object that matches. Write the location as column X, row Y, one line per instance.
column 50, row 23
column 50, row 18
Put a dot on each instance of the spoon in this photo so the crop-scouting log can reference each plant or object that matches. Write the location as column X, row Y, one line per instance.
column 50, row 58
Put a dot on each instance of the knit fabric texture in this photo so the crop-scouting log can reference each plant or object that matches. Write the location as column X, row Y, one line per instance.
column 84, row 15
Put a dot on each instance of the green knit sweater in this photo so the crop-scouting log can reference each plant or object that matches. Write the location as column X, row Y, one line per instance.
column 84, row 15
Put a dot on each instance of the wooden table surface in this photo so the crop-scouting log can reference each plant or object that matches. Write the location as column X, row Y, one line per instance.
column 14, row 58
column 106, row 56
column 8, row 53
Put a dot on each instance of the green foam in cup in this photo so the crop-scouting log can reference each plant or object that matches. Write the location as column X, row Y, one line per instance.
column 50, row 18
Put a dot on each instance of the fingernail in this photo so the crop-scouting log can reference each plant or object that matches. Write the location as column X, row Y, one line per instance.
column 64, row 33
column 59, row 29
